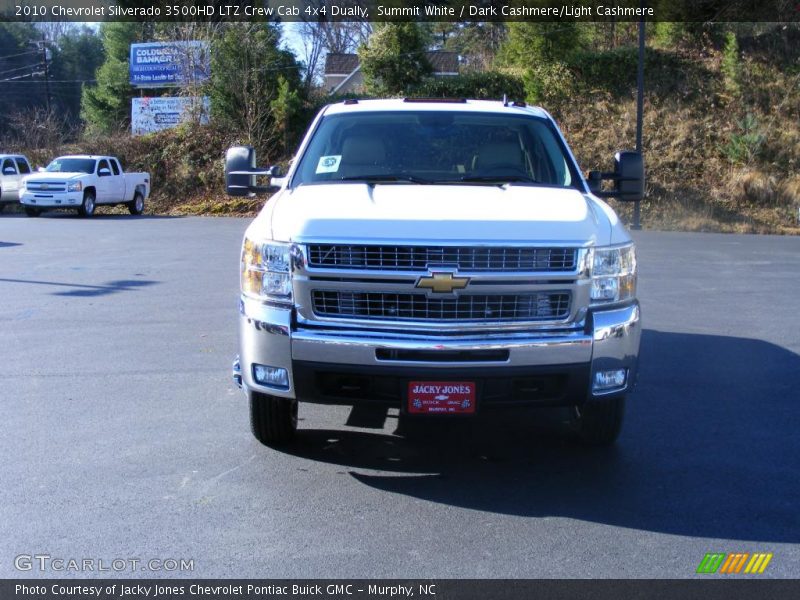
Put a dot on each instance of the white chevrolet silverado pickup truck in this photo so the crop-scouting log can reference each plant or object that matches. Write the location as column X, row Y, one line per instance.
column 442, row 257
column 84, row 182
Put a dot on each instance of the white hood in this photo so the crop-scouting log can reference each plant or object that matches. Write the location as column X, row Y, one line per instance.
column 444, row 213
column 45, row 176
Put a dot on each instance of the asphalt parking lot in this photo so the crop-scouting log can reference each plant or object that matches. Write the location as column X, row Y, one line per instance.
column 123, row 435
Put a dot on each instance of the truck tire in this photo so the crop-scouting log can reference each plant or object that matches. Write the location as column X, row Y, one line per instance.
column 273, row 420
column 136, row 206
column 599, row 421
column 88, row 205
column 32, row 212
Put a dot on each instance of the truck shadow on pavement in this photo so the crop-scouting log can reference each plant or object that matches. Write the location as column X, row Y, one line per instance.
column 80, row 290
column 709, row 448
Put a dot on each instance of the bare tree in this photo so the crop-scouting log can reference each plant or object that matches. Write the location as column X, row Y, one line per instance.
column 321, row 35
column 38, row 128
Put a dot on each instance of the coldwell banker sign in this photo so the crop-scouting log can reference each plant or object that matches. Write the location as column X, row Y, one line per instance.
column 165, row 64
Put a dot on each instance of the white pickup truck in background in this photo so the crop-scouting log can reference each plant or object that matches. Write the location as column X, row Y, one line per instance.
column 13, row 167
column 84, row 182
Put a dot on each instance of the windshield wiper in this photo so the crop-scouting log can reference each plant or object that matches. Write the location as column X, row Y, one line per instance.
column 373, row 179
column 499, row 179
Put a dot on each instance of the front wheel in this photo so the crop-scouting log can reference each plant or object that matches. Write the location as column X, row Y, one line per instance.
column 273, row 420
column 136, row 206
column 31, row 212
column 599, row 421
column 88, row 205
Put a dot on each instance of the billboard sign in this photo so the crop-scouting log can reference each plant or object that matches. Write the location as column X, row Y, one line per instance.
column 154, row 114
column 165, row 64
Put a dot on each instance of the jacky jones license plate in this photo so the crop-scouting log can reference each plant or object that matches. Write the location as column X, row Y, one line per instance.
column 441, row 397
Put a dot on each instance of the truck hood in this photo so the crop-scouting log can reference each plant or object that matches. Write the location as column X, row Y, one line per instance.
column 441, row 213
column 53, row 176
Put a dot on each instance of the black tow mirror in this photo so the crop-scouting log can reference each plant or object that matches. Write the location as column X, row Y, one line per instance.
column 241, row 173
column 628, row 178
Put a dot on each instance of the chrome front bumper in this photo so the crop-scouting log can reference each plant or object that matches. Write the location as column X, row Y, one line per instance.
column 609, row 340
column 52, row 199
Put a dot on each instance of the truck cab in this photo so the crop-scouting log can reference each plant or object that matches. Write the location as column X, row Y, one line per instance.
column 444, row 258
column 13, row 167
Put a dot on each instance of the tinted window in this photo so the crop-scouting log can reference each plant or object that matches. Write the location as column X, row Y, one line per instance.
column 103, row 165
column 8, row 164
column 23, row 166
column 443, row 147
column 114, row 166
column 72, row 165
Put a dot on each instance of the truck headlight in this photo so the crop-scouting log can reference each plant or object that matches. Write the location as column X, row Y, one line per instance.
column 75, row 186
column 266, row 271
column 613, row 274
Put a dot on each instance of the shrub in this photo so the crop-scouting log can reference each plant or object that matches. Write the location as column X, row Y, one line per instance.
column 731, row 66
column 746, row 142
column 488, row 85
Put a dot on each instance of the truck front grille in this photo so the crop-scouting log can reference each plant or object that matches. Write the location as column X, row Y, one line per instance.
column 46, row 186
column 541, row 306
column 420, row 258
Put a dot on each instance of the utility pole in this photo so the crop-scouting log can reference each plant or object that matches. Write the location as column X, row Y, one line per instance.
column 43, row 46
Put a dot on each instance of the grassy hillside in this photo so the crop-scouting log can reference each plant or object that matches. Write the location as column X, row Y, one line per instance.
column 721, row 130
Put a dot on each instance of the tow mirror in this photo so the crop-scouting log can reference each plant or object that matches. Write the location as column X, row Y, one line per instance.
column 241, row 173
column 628, row 178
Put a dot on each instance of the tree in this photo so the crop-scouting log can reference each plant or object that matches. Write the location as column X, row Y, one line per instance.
column 21, row 69
column 530, row 43
column 321, row 37
column 394, row 60
column 477, row 43
column 246, row 66
column 78, row 53
column 106, row 106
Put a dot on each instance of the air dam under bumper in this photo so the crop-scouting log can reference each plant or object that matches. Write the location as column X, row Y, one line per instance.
column 510, row 369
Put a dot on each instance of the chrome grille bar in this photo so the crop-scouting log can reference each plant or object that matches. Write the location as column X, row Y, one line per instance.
column 540, row 306
column 420, row 258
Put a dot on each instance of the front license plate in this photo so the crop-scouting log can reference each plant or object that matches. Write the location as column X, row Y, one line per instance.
column 441, row 397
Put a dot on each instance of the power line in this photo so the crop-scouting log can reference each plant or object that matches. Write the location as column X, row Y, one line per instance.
column 20, row 54
column 41, row 82
column 32, row 66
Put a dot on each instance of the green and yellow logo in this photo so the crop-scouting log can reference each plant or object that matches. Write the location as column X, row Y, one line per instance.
column 741, row 562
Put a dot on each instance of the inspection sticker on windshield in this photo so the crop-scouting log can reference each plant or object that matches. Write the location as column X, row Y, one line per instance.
column 441, row 397
column 329, row 164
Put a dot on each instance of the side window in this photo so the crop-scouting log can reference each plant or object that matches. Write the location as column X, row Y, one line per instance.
column 103, row 164
column 23, row 166
column 114, row 166
column 9, row 164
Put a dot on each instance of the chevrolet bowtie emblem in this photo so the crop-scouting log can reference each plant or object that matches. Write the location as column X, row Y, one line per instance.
column 442, row 283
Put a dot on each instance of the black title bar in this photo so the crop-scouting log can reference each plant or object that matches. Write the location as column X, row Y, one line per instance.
column 401, row 10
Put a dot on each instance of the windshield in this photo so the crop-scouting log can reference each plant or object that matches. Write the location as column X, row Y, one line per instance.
column 435, row 147
column 71, row 165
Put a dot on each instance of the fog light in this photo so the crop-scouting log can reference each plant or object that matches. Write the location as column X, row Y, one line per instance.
column 271, row 376
column 608, row 380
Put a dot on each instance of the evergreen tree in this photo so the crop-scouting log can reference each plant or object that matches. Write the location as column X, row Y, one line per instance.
column 394, row 60
column 106, row 106
column 249, row 71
